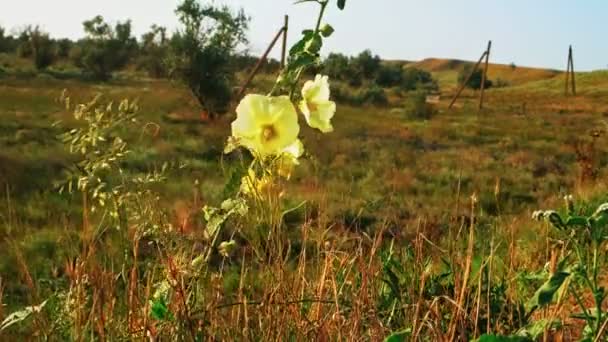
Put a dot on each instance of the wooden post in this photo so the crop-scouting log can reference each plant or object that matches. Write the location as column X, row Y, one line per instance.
column 259, row 64
column 462, row 86
column 284, row 50
column 572, row 76
column 485, row 75
column 568, row 73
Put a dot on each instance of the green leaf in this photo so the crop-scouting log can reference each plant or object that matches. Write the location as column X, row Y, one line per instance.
column 160, row 311
column 536, row 329
column 577, row 221
column 500, row 338
column 341, row 4
column 400, row 336
column 544, row 295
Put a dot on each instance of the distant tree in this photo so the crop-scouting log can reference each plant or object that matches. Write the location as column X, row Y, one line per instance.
column 367, row 63
column 24, row 48
column 202, row 50
column 390, row 75
column 154, row 51
column 105, row 49
column 4, row 41
column 64, row 46
column 414, row 78
column 38, row 46
column 475, row 80
column 336, row 66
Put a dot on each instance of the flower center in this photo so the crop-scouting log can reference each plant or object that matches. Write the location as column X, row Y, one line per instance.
column 312, row 106
column 268, row 133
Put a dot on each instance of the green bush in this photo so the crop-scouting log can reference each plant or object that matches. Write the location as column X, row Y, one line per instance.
column 414, row 78
column 105, row 49
column 367, row 64
column 475, row 80
column 374, row 95
column 43, row 48
column 154, row 52
column 418, row 108
column 201, row 52
column 390, row 75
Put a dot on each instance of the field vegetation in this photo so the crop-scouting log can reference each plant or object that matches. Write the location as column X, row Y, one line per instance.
column 127, row 213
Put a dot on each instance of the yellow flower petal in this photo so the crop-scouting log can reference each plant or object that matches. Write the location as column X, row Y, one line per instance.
column 265, row 125
column 315, row 106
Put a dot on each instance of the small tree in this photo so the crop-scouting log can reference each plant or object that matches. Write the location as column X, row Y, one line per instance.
column 475, row 80
column 367, row 63
column 105, row 49
column 4, row 41
column 64, row 46
column 154, row 51
column 201, row 52
column 414, row 78
column 390, row 75
column 336, row 66
column 38, row 45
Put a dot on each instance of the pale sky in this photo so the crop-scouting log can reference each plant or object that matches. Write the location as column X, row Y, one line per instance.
column 525, row 32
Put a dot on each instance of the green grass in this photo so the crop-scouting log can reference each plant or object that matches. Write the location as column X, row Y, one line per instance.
column 379, row 171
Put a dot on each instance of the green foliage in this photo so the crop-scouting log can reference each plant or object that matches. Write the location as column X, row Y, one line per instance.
column 105, row 49
column 367, row 63
column 414, row 78
column 64, row 46
column 39, row 46
column 586, row 233
column 390, row 75
column 544, row 295
column 336, row 66
column 476, row 78
column 201, row 52
column 7, row 43
column 374, row 95
column 417, row 108
column 154, row 52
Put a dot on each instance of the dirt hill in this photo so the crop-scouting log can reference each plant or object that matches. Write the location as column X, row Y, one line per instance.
column 446, row 72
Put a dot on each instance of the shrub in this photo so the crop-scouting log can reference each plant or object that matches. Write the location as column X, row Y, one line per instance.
column 154, row 51
column 64, row 46
column 367, row 63
column 414, row 78
column 38, row 46
column 374, row 95
column 389, row 75
column 336, row 66
column 105, row 49
column 5, row 41
column 418, row 108
column 475, row 80
column 43, row 49
column 201, row 52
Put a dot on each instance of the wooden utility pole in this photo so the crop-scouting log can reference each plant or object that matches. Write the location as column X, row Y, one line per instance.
column 284, row 49
column 485, row 76
column 486, row 55
column 258, row 65
column 570, row 78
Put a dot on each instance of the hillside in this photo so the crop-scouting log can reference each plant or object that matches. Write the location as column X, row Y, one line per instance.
column 446, row 71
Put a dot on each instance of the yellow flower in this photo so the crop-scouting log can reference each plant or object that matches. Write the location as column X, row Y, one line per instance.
column 265, row 125
column 289, row 159
column 316, row 106
column 254, row 186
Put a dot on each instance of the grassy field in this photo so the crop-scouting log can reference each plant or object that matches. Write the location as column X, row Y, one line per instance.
column 384, row 189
